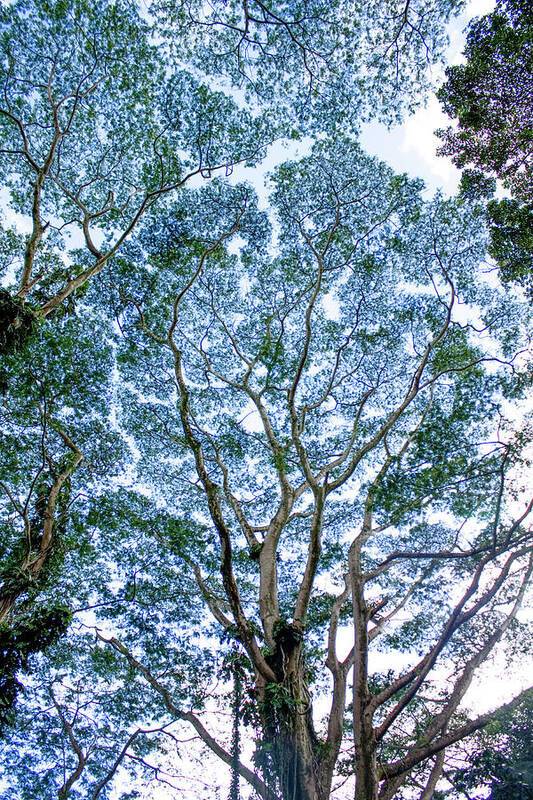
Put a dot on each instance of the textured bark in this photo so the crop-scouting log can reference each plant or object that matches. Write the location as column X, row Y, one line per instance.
column 366, row 778
column 293, row 761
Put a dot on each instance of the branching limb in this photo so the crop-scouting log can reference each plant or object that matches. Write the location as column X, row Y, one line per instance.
column 81, row 756
column 188, row 716
column 34, row 562
column 215, row 510
column 416, row 676
column 209, row 598
column 419, row 754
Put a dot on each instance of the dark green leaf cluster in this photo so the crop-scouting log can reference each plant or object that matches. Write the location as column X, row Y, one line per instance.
column 501, row 760
column 31, row 634
column 490, row 95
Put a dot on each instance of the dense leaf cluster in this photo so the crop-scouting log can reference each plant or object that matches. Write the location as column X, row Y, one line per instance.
column 490, row 96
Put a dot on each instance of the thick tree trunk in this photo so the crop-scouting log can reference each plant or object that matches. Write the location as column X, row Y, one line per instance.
column 291, row 759
column 366, row 787
column 294, row 757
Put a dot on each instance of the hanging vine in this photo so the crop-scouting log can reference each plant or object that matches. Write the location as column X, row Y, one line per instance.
column 237, row 668
column 234, row 793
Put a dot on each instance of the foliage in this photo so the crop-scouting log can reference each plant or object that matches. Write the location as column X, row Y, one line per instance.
column 501, row 760
column 512, row 239
column 258, row 445
column 17, row 322
column 325, row 65
column 490, row 96
column 96, row 125
column 18, row 643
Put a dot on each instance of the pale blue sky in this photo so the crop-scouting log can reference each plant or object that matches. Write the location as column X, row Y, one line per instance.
column 411, row 147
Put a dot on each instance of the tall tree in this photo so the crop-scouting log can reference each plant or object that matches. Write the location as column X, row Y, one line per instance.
column 332, row 418
column 58, row 449
column 256, row 461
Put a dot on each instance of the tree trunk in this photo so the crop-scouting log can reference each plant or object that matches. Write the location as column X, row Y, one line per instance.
column 289, row 754
column 366, row 786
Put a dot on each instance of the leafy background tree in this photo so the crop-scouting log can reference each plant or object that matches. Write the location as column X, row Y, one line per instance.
column 490, row 96
column 57, row 450
column 327, row 66
column 500, row 760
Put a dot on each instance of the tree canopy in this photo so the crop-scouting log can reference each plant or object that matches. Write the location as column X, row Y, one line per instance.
column 263, row 476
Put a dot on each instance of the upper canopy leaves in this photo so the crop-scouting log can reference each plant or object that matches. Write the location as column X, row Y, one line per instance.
column 324, row 65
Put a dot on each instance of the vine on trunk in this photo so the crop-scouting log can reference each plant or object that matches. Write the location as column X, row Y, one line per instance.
column 285, row 713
